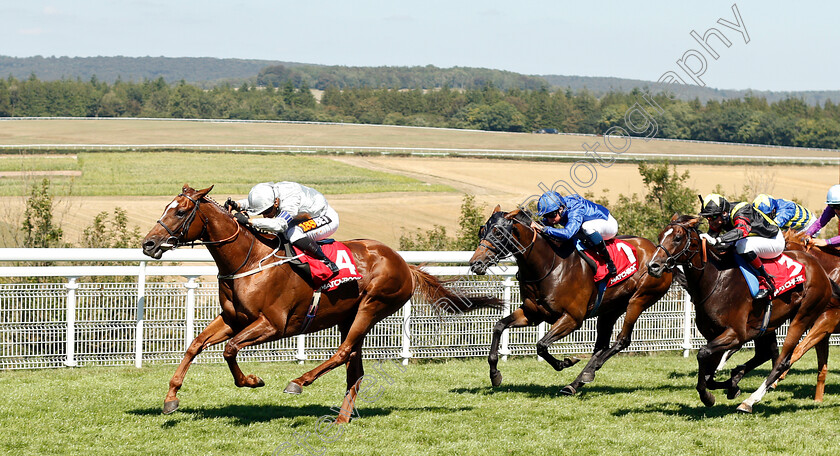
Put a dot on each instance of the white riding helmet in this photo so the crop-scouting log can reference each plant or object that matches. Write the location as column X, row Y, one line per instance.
column 260, row 198
column 833, row 196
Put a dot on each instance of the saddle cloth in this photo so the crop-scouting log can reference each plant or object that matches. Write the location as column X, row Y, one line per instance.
column 786, row 272
column 319, row 272
column 624, row 257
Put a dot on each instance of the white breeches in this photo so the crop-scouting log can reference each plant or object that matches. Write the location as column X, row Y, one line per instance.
column 763, row 247
column 318, row 228
column 608, row 228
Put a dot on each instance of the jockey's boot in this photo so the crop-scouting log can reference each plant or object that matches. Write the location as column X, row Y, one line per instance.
column 763, row 277
column 314, row 250
column 601, row 248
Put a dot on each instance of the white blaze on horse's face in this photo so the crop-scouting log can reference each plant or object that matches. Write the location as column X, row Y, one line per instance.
column 665, row 234
column 166, row 245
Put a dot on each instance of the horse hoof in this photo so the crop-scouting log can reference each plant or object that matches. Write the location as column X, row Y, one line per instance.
column 255, row 382
column 170, row 406
column 708, row 399
column 733, row 393
column 495, row 378
column 568, row 390
column 293, row 388
column 569, row 362
column 744, row 408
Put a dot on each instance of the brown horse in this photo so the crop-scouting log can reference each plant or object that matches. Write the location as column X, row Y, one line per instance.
column 829, row 259
column 557, row 286
column 272, row 303
column 725, row 312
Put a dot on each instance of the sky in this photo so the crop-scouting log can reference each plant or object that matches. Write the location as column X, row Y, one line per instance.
column 792, row 45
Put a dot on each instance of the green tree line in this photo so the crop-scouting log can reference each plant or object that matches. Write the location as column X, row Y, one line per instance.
column 789, row 122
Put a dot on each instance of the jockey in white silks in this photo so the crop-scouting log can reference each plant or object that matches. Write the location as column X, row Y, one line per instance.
column 301, row 213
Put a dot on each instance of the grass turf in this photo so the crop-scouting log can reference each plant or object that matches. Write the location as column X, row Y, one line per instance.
column 638, row 405
column 155, row 173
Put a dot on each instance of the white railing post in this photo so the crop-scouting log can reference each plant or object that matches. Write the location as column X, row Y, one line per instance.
column 405, row 353
column 189, row 331
column 687, row 324
column 71, row 287
column 301, row 348
column 504, row 350
column 141, row 301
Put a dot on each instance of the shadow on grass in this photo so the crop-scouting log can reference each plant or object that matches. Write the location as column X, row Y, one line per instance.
column 534, row 390
column 697, row 411
column 245, row 415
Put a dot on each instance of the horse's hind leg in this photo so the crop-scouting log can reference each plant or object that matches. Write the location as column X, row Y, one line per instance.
column 792, row 350
column 355, row 373
column 517, row 319
column 357, row 332
column 600, row 354
column 766, row 349
column 217, row 331
column 560, row 329
column 258, row 332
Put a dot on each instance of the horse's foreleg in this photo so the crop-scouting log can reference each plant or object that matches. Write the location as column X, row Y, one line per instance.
column 217, row 331
column 517, row 319
column 260, row 331
column 600, row 354
column 796, row 329
column 560, row 329
column 707, row 359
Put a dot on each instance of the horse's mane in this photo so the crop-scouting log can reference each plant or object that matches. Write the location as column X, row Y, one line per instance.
column 799, row 239
column 269, row 239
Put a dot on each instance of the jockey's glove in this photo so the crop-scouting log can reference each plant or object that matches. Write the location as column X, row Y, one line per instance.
column 711, row 240
column 231, row 204
column 241, row 218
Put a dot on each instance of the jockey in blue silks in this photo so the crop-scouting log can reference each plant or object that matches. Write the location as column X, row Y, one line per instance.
column 786, row 214
column 582, row 219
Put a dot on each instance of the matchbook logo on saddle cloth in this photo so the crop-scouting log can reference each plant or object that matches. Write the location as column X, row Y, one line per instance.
column 624, row 257
column 786, row 272
column 342, row 256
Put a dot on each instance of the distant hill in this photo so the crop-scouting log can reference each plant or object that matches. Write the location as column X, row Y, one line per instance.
column 209, row 72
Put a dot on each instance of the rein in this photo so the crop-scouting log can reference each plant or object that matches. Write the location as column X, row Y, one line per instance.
column 671, row 259
column 175, row 239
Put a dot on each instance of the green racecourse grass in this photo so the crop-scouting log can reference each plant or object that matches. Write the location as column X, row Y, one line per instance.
column 153, row 174
column 638, row 405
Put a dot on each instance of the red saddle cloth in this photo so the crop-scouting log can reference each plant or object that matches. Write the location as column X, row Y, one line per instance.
column 624, row 257
column 786, row 272
column 343, row 258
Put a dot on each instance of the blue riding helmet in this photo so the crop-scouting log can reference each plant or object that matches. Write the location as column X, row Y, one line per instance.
column 550, row 202
column 765, row 203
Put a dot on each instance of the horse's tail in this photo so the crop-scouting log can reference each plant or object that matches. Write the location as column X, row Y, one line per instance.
column 451, row 301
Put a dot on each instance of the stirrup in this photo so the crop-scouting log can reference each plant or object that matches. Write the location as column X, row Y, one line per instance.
column 333, row 267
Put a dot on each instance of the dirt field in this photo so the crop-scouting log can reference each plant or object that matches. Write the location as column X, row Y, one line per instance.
column 386, row 216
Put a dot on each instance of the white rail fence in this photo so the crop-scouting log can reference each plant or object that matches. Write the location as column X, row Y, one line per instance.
column 71, row 319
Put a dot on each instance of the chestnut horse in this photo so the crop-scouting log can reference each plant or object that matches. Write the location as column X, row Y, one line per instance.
column 829, row 259
column 261, row 303
column 725, row 312
column 557, row 286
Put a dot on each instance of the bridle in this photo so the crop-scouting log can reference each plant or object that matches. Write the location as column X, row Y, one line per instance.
column 496, row 251
column 671, row 260
column 176, row 239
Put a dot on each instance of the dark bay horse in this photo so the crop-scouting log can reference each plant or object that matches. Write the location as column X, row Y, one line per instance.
column 273, row 303
column 725, row 312
column 557, row 286
column 829, row 259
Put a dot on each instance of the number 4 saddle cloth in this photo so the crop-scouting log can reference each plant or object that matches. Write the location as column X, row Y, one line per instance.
column 624, row 257
column 320, row 273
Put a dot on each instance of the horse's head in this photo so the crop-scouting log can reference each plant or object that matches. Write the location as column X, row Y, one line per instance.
column 797, row 241
column 500, row 238
column 678, row 243
column 178, row 223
